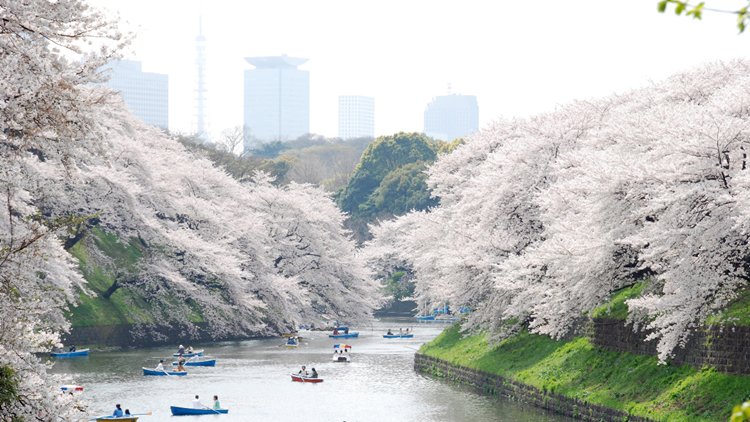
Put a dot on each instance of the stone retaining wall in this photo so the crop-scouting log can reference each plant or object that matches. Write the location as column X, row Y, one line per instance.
column 500, row 386
column 725, row 348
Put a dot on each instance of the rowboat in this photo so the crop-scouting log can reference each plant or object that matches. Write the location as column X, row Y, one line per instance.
column 189, row 355
column 209, row 362
column 292, row 342
column 350, row 335
column 341, row 358
column 82, row 352
column 147, row 371
column 118, row 419
column 398, row 335
column 70, row 388
column 425, row 317
column 302, row 378
column 184, row 411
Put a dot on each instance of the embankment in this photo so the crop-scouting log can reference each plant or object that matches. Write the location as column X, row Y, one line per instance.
column 578, row 378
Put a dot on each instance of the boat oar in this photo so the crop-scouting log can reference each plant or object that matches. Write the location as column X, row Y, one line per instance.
column 123, row 416
column 140, row 414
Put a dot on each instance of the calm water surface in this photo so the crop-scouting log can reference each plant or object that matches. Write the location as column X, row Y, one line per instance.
column 252, row 380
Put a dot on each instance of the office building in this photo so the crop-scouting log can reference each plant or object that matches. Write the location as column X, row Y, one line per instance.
column 452, row 116
column 356, row 117
column 146, row 94
column 277, row 100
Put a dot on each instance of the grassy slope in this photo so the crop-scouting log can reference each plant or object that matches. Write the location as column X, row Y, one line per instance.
column 576, row 368
column 124, row 306
column 737, row 313
column 616, row 307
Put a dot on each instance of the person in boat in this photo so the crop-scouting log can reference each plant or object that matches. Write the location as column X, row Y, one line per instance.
column 197, row 403
column 346, row 330
column 189, row 350
column 389, row 333
column 400, row 331
column 181, row 350
column 118, row 411
column 314, row 373
column 127, row 412
column 160, row 366
column 303, row 371
column 407, row 330
column 180, row 365
column 72, row 348
column 335, row 331
column 217, row 405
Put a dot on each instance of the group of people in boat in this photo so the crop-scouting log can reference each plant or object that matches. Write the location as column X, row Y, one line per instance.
column 344, row 330
column 198, row 405
column 119, row 413
column 401, row 331
column 183, row 351
column 180, row 365
column 303, row 372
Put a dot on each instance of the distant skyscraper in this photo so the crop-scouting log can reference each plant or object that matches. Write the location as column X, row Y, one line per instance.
column 356, row 116
column 146, row 94
column 277, row 100
column 449, row 117
column 201, row 124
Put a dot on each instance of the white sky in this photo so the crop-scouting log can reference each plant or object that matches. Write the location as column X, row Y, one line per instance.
column 518, row 58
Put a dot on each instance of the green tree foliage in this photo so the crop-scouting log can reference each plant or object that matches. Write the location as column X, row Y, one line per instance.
column 741, row 413
column 399, row 285
column 695, row 10
column 402, row 190
column 8, row 385
column 385, row 155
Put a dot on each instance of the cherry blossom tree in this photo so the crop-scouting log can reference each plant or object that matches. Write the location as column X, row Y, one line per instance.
column 253, row 258
column 541, row 219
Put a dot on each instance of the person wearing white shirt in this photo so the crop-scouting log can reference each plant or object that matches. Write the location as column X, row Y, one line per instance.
column 197, row 403
column 160, row 366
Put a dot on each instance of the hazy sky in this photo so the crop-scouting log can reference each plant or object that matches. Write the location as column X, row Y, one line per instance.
column 518, row 58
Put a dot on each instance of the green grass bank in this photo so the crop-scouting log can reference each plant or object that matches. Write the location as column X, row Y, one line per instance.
column 575, row 368
column 100, row 256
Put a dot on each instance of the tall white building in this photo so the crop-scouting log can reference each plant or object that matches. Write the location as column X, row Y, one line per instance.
column 277, row 100
column 146, row 94
column 453, row 116
column 356, row 117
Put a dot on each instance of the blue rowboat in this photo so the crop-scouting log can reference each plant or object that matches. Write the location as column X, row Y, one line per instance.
column 184, row 411
column 398, row 335
column 350, row 335
column 147, row 371
column 189, row 355
column 210, row 362
column 82, row 352
column 425, row 317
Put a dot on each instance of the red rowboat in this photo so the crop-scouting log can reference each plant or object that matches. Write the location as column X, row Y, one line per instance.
column 302, row 378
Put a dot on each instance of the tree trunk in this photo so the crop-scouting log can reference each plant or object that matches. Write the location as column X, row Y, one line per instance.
column 111, row 289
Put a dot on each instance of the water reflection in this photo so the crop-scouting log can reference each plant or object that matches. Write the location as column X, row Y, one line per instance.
column 252, row 379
